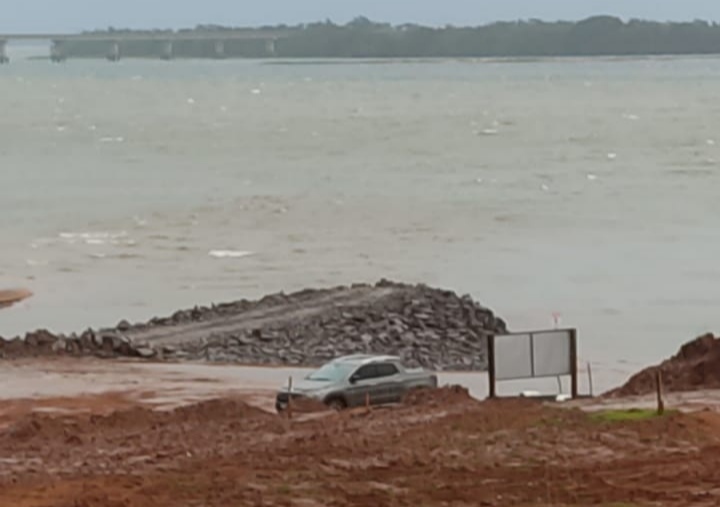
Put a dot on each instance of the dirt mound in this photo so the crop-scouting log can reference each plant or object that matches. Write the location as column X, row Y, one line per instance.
column 217, row 409
column 524, row 452
column 9, row 297
column 696, row 366
column 36, row 427
column 435, row 397
column 425, row 326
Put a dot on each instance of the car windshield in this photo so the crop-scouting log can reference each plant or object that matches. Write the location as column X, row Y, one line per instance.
column 332, row 372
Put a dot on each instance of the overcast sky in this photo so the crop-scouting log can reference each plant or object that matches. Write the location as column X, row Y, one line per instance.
column 75, row 15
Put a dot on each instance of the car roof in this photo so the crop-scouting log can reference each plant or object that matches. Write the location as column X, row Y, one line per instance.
column 361, row 359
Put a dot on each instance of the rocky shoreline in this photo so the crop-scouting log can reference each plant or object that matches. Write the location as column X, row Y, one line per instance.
column 427, row 327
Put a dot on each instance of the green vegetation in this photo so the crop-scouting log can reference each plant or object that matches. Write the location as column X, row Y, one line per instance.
column 628, row 415
column 284, row 489
column 597, row 36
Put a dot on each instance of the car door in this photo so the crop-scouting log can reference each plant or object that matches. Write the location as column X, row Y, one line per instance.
column 364, row 382
column 390, row 388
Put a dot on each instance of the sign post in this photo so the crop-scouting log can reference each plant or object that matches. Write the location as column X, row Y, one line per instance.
column 573, row 364
column 491, row 365
column 533, row 355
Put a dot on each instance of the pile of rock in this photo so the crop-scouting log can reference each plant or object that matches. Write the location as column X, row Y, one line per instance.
column 426, row 327
column 96, row 343
column 696, row 366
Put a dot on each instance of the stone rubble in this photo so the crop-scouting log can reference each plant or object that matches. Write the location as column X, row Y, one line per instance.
column 426, row 327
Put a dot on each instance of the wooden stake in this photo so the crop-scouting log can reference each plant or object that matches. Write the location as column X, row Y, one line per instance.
column 590, row 380
column 289, row 407
column 659, row 385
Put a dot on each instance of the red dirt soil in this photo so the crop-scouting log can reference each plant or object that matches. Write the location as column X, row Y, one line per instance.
column 440, row 449
column 435, row 397
column 9, row 297
column 696, row 366
column 12, row 410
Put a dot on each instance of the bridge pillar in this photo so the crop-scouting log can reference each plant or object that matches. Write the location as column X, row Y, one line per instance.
column 270, row 47
column 114, row 52
column 57, row 52
column 220, row 49
column 166, row 50
column 3, row 52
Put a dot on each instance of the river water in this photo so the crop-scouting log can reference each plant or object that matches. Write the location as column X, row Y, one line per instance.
column 584, row 188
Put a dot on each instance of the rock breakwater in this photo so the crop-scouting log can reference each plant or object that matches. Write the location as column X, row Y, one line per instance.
column 425, row 326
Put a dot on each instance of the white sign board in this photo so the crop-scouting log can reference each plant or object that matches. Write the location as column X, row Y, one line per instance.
column 533, row 355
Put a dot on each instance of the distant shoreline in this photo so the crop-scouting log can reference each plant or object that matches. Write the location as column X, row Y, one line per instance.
column 362, row 38
column 330, row 61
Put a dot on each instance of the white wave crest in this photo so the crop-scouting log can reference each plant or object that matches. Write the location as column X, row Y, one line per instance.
column 229, row 254
column 95, row 238
column 93, row 235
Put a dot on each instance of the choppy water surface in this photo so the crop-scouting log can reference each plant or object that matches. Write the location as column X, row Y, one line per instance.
column 588, row 188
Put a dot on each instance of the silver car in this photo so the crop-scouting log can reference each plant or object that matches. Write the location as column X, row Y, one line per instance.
column 352, row 381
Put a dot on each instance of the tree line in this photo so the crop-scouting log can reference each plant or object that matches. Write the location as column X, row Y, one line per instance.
column 363, row 38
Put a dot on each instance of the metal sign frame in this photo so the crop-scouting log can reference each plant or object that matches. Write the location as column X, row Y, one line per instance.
column 572, row 336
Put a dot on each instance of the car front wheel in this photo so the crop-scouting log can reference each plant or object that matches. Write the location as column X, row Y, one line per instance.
column 336, row 404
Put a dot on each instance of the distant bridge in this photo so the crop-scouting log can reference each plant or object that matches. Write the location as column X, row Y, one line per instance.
column 164, row 40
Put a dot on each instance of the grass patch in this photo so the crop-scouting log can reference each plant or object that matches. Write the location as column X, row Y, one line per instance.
column 633, row 414
column 555, row 421
column 283, row 489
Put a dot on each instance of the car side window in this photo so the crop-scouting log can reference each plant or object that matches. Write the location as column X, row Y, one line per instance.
column 366, row 372
column 387, row 370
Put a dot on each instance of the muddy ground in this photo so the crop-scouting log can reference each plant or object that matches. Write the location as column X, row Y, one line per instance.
column 185, row 438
